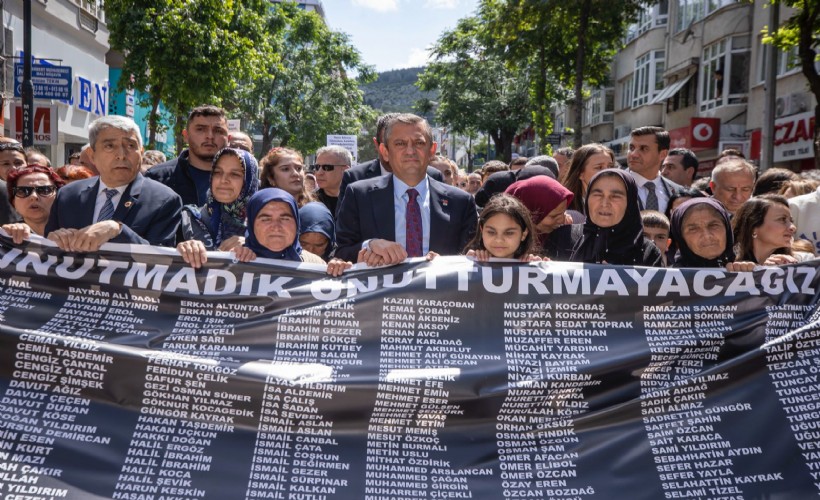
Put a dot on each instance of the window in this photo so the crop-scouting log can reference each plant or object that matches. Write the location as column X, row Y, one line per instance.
column 651, row 16
column 725, row 73
column 626, row 93
column 599, row 107
column 691, row 11
column 648, row 77
column 787, row 62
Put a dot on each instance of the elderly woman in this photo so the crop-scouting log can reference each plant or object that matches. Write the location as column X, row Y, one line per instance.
column 547, row 201
column 284, row 168
column 702, row 232
column 613, row 231
column 317, row 230
column 32, row 191
column 273, row 232
column 220, row 223
column 763, row 229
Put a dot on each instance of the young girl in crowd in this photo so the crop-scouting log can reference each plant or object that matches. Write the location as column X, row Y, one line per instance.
column 505, row 231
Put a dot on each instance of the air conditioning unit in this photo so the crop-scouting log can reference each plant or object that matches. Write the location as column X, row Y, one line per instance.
column 799, row 102
column 781, row 106
column 792, row 104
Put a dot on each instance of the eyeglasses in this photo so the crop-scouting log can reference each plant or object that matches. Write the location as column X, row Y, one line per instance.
column 326, row 168
column 25, row 191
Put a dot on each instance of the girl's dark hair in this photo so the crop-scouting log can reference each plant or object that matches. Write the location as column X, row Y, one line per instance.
column 748, row 218
column 508, row 205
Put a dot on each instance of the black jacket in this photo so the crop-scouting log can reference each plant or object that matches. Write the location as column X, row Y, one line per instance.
column 175, row 174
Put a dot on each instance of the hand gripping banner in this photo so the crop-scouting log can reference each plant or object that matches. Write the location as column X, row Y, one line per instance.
column 127, row 374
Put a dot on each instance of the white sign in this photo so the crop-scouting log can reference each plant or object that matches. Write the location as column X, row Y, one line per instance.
column 793, row 136
column 349, row 142
column 45, row 123
column 234, row 125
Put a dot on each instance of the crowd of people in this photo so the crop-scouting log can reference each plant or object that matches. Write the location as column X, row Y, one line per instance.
column 576, row 205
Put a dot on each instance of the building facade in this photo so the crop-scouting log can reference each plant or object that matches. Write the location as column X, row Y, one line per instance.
column 67, row 33
column 696, row 67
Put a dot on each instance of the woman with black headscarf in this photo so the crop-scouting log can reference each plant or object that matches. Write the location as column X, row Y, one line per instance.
column 613, row 231
column 702, row 230
column 273, row 229
column 317, row 229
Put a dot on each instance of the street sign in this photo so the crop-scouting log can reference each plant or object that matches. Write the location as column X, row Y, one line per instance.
column 45, row 119
column 553, row 139
column 50, row 82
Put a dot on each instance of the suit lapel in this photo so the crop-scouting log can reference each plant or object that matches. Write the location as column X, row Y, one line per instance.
column 129, row 199
column 382, row 195
column 439, row 214
column 88, row 200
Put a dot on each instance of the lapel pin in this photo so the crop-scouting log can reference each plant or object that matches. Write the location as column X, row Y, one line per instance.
column 444, row 202
column 128, row 204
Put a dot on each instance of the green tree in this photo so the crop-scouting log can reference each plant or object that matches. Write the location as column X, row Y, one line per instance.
column 186, row 52
column 568, row 45
column 801, row 30
column 304, row 91
column 476, row 91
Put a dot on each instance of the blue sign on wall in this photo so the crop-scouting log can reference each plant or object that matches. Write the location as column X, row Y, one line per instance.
column 50, row 82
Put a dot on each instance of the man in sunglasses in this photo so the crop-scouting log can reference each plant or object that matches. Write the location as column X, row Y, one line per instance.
column 331, row 164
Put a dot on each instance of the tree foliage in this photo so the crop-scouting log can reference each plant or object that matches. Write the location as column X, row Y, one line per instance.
column 186, row 52
column 303, row 91
column 477, row 92
column 567, row 45
column 802, row 30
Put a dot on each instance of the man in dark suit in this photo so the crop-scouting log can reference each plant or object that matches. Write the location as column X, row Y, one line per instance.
column 120, row 206
column 384, row 220
column 376, row 167
column 648, row 147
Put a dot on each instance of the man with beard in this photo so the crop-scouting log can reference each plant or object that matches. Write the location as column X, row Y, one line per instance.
column 189, row 174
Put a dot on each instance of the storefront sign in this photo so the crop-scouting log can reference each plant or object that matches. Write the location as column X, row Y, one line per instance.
column 45, row 123
column 793, row 137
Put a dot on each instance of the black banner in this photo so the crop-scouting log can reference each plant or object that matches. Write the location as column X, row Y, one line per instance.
column 127, row 374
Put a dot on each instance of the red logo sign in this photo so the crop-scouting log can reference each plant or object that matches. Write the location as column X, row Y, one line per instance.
column 705, row 133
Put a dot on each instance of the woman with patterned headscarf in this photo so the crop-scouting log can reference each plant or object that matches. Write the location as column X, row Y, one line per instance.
column 220, row 223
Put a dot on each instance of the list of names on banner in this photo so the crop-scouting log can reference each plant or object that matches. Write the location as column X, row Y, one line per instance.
column 314, row 348
column 404, row 452
column 794, row 365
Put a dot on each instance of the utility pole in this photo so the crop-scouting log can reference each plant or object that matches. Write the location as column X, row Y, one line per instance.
column 27, row 90
column 767, row 135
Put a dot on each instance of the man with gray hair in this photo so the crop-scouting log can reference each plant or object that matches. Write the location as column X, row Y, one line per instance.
column 733, row 182
column 120, row 206
column 331, row 164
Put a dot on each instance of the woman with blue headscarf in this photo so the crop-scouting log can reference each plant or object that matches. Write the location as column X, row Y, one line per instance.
column 220, row 223
column 273, row 232
column 317, row 230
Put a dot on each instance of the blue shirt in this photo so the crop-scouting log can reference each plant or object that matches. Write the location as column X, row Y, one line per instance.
column 400, row 199
column 202, row 181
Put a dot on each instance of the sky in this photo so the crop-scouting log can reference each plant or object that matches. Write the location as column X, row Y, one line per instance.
column 393, row 34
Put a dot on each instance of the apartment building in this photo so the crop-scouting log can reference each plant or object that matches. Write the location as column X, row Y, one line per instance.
column 695, row 67
column 65, row 33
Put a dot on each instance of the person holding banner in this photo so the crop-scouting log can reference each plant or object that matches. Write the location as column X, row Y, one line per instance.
column 702, row 232
column 32, row 190
column 764, row 231
column 120, row 206
column 613, row 231
column 273, row 232
column 220, row 224
column 505, row 231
